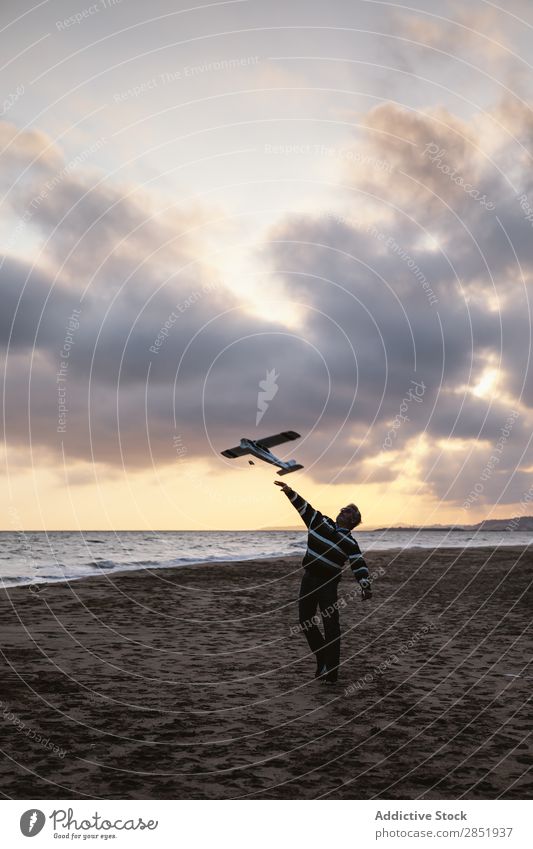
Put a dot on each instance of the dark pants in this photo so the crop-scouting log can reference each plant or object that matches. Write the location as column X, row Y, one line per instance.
column 321, row 593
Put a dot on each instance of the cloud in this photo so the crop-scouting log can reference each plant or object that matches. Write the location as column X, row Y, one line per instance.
column 408, row 281
column 365, row 269
column 480, row 31
column 26, row 148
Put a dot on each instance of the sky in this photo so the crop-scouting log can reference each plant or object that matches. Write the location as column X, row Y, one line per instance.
column 325, row 207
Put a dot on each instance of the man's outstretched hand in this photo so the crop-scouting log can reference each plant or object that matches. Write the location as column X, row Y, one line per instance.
column 285, row 487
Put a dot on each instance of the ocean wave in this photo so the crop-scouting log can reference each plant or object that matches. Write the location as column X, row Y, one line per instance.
column 69, row 558
column 102, row 564
column 120, row 564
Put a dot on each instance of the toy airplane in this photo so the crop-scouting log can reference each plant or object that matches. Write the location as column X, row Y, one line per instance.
column 260, row 448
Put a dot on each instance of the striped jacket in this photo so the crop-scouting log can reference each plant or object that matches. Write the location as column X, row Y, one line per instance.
column 329, row 546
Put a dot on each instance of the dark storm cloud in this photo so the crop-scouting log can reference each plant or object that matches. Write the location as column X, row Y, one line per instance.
column 369, row 278
column 31, row 306
column 119, row 383
column 100, row 235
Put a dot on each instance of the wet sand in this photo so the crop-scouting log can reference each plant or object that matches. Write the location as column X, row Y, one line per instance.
column 196, row 683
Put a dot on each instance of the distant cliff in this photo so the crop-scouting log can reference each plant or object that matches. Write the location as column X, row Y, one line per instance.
column 517, row 523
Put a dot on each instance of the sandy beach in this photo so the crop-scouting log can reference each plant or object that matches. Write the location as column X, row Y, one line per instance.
column 195, row 683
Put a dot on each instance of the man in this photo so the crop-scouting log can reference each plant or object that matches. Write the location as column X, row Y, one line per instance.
column 329, row 545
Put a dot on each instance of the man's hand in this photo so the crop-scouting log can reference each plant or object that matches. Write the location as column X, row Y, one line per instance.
column 285, row 487
column 366, row 589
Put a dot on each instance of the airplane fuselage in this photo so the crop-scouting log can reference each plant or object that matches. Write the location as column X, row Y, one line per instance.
column 265, row 454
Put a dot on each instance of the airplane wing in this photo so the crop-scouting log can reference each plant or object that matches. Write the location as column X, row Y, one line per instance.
column 286, row 436
column 235, row 452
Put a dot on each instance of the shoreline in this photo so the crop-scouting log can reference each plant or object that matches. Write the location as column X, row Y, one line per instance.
column 369, row 554
column 148, row 570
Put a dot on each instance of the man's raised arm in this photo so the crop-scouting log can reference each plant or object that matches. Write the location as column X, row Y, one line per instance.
column 305, row 510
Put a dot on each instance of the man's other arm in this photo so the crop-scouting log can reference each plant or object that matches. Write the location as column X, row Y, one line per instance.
column 360, row 569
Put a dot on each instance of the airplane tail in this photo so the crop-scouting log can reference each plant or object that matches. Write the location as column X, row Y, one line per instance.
column 290, row 469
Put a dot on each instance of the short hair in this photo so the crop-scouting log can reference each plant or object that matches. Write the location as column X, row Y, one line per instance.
column 356, row 513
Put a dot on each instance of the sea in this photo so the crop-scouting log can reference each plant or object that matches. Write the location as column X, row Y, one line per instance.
column 30, row 557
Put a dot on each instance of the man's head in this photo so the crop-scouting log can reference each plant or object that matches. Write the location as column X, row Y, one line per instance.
column 348, row 517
